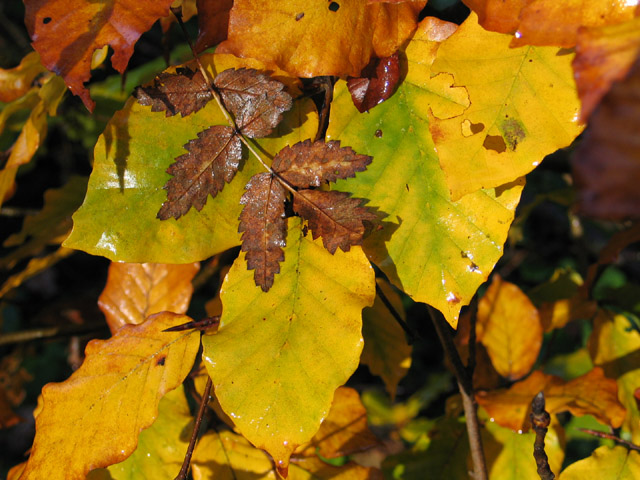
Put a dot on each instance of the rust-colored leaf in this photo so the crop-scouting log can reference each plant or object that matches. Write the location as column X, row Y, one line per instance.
column 334, row 216
column 184, row 92
column 66, row 33
column 213, row 159
column 136, row 290
column 591, row 394
column 310, row 164
column 256, row 100
column 213, row 22
column 264, row 226
column 377, row 83
column 606, row 164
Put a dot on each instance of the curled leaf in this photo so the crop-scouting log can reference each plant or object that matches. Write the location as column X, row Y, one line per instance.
column 256, row 100
column 264, row 226
column 213, row 159
column 310, row 164
column 377, row 83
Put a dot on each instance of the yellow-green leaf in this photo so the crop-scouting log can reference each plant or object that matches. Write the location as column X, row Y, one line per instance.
column 617, row 463
column 459, row 242
column 125, row 188
column 279, row 356
column 524, row 105
column 93, row 419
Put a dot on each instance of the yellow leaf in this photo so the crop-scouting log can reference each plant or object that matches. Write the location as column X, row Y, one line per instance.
column 524, row 106
column 15, row 82
column 386, row 351
column 136, row 290
column 509, row 327
column 288, row 350
column 34, row 267
column 93, row 419
column 617, row 463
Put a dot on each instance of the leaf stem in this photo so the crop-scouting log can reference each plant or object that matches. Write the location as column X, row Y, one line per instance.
column 609, row 436
column 394, row 313
column 465, row 386
column 196, row 428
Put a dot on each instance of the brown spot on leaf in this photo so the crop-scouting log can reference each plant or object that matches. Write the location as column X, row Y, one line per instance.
column 513, row 132
column 378, row 133
column 495, row 142
column 160, row 361
column 299, row 16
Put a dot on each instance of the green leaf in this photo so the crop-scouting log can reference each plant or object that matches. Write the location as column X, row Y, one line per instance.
column 279, row 356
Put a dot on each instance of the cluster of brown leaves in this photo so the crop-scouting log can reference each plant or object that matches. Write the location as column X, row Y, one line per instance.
column 257, row 103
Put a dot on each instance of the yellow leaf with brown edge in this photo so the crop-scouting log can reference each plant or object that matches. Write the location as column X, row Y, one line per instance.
column 509, row 327
column 136, row 290
column 524, row 105
column 308, row 38
column 93, row 419
column 15, row 82
column 590, row 394
column 605, row 463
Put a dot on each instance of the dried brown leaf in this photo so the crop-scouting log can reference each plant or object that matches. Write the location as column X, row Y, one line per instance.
column 184, row 92
column 377, row 83
column 308, row 164
column 336, row 217
column 256, row 100
column 212, row 160
column 264, row 226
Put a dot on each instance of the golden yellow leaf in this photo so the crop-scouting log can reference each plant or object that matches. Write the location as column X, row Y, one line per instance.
column 279, row 356
column 15, row 82
column 136, row 290
column 524, row 106
column 93, row 419
column 509, row 327
column 617, row 463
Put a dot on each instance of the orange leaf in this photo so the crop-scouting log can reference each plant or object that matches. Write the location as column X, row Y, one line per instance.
column 591, row 394
column 136, row 290
column 213, row 22
column 264, row 226
column 509, row 327
column 66, row 33
column 308, row 38
column 93, row 419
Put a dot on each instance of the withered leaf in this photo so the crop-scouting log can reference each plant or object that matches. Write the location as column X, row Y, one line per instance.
column 264, row 226
column 377, row 83
column 309, row 164
column 256, row 100
column 340, row 220
column 184, row 92
column 213, row 159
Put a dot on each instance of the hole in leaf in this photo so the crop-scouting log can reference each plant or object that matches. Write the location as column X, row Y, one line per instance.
column 378, row 133
column 495, row 142
column 334, row 6
column 46, row 20
column 469, row 128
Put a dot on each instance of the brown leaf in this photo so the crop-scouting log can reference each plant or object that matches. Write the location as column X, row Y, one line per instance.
column 184, row 92
column 308, row 164
column 377, row 83
column 256, row 100
column 334, row 216
column 213, row 159
column 213, row 22
column 264, row 226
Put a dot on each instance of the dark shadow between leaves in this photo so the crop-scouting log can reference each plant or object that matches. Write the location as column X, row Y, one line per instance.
column 375, row 245
column 117, row 136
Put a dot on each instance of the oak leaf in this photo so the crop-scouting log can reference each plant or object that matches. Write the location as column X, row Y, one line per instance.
column 256, row 100
column 376, row 84
column 340, row 220
column 310, row 164
column 93, row 419
column 184, row 92
column 213, row 159
column 264, row 227
column 66, row 42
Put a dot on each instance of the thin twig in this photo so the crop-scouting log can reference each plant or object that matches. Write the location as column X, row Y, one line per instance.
column 196, row 428
column 465, row 385
column 51, row 332
column 396, row 315
column 540, row 420
column 609, row 436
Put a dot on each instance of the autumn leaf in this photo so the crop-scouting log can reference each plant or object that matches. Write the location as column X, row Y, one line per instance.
column 605, row 463
column 523, row 107
column 340, row 220
column 509, row 327
column 256, row 100
column 66, row 43
column 35, row 266
column 310, row 164
column 298, row 342
column 461, row 241
column 184, row 92
column 93, row 419
column 590, row 394
column 213, row 22
column 136, row 290
column 15, row 82
column 377, row 83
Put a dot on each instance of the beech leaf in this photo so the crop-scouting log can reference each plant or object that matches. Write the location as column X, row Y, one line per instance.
column 340, row 220
column 184, row 92
column 256, row 100
column 264, row 226
column 376, row 84
column 15, row 82
column 213, row 22
column 213, row 159
column 605, row 463
column 310, row 164
column 93, row 419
